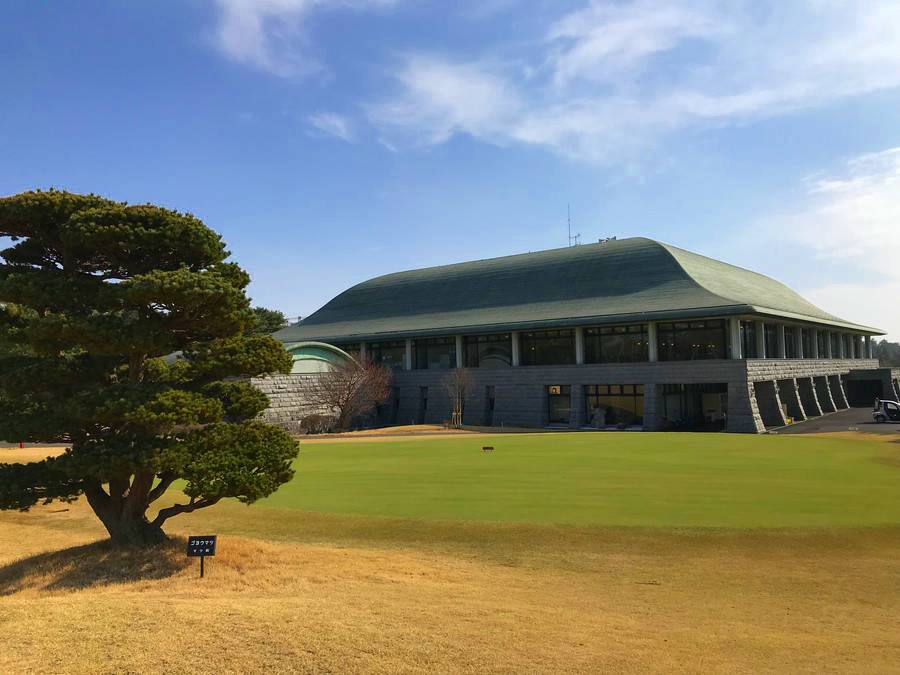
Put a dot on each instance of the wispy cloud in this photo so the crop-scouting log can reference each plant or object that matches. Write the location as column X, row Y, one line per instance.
column 269, row 35
column 848, row 221
column 332, row 124
column 612, row 77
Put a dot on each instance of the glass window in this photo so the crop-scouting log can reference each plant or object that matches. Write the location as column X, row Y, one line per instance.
column 434, row 353
column 390, row 354
column 790, row 342
column 559, row 402
column 488, row 351
column 614, row 404
column 771, row 339
column 822, row 343
column 548, row 347
column 806, row 336
column 616, row 344
column 748, row 340
column 691, row 340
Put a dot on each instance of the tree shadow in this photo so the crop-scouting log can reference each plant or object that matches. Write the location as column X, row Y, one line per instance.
column 91, row 565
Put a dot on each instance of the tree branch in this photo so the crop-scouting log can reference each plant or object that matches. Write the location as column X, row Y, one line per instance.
column 165, row 514
column 165, row 481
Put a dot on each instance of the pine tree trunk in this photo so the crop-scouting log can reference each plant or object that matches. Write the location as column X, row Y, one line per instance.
column 126, row 528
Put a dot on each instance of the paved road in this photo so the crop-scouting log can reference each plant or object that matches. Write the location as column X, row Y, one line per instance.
column 853, row 419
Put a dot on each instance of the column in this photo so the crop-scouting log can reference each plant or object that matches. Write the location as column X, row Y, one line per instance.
column 828, row 350
column 842, row 352
column 734, row 329
column 814, row 344
column 407, row 358
column 779, row 332
column 363, row 352
column 515, row 348
column 761, row 340
column 867, row 350
column 798, row 342
column 652, row 342
column 579, row 345
column 460, row 352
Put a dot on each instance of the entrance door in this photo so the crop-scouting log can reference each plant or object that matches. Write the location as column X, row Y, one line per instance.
column 559, row 403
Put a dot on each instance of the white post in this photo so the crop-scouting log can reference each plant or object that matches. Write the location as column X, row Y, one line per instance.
column 514, row 336
column 652, row 342
column 579, row 345
column 761, row 340
column 407, row 360
column 460, row 352
column 734, row 330
column 779, row 331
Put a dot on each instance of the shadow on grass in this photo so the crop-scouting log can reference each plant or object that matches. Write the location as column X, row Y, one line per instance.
column 92, row 565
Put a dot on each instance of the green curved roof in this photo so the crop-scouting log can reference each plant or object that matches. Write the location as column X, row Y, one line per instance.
column 620, row 280
column 315, row 357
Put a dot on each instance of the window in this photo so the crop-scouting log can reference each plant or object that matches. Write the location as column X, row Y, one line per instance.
column 488, row 351
column 434, row 353
column 616, row 344
column 748, row 340
column 559, row 403
column 691, row 340
column 548, row 347
column 806, row 337
column 770, row 331
column 614, row 404
column 390, row 354
column 790, row 342
column 822, row 343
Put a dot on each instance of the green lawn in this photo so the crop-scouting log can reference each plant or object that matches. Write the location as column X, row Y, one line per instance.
column 631, row 479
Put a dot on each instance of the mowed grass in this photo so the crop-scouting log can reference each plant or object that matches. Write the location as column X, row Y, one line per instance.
column 591, row 479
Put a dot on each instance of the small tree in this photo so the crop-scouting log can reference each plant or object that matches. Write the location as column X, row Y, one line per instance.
column 266, row 321
column 457, row 383
column 94, row 293
column 350, row 390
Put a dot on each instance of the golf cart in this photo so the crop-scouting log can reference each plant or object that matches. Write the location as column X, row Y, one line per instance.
column 886, row 411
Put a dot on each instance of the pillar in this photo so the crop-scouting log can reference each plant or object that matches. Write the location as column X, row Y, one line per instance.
column 734, row 331
column 579, row 345
column 814, row 344
column 842, row 350
column 652, row 342
column 652, row 407
column 408, row 356
column 779, row 332
column 790, row 396
column 761, row 340
column 798, row 342
column 867, row 351
column 769, row 403
column 837, row 392
column 516, row 357
column 460, row 352
column 363, row 352
column 576, row 417
column 828, row 350
column 808, row 399
column 823, row 393
column 743, row 411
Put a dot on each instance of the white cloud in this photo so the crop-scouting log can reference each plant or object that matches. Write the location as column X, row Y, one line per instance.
column 332, row 124
column 268, row 34
column 849, row 222
column 609, row 79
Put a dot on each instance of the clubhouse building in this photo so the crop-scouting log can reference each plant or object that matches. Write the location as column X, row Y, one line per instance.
column 622, row 334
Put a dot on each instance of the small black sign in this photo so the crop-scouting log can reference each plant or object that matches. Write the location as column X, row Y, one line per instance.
column 201, row 546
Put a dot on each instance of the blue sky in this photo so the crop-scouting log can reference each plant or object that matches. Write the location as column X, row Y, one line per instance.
column 333, row 140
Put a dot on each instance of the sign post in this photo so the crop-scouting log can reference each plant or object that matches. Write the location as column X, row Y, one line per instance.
column 200, row 547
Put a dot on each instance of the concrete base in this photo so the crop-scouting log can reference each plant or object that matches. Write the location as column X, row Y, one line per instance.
column 790, row 396
column 808, row 399
column 823, row 393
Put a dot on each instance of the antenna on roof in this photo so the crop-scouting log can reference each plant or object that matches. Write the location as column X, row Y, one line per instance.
column 574, row 239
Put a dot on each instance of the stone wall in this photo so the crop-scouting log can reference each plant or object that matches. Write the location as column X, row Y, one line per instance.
column 288, row 399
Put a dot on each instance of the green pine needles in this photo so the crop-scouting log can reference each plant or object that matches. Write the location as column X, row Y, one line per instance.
column 95, row 297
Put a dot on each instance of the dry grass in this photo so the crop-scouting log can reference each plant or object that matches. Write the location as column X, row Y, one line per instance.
column 369, row 595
